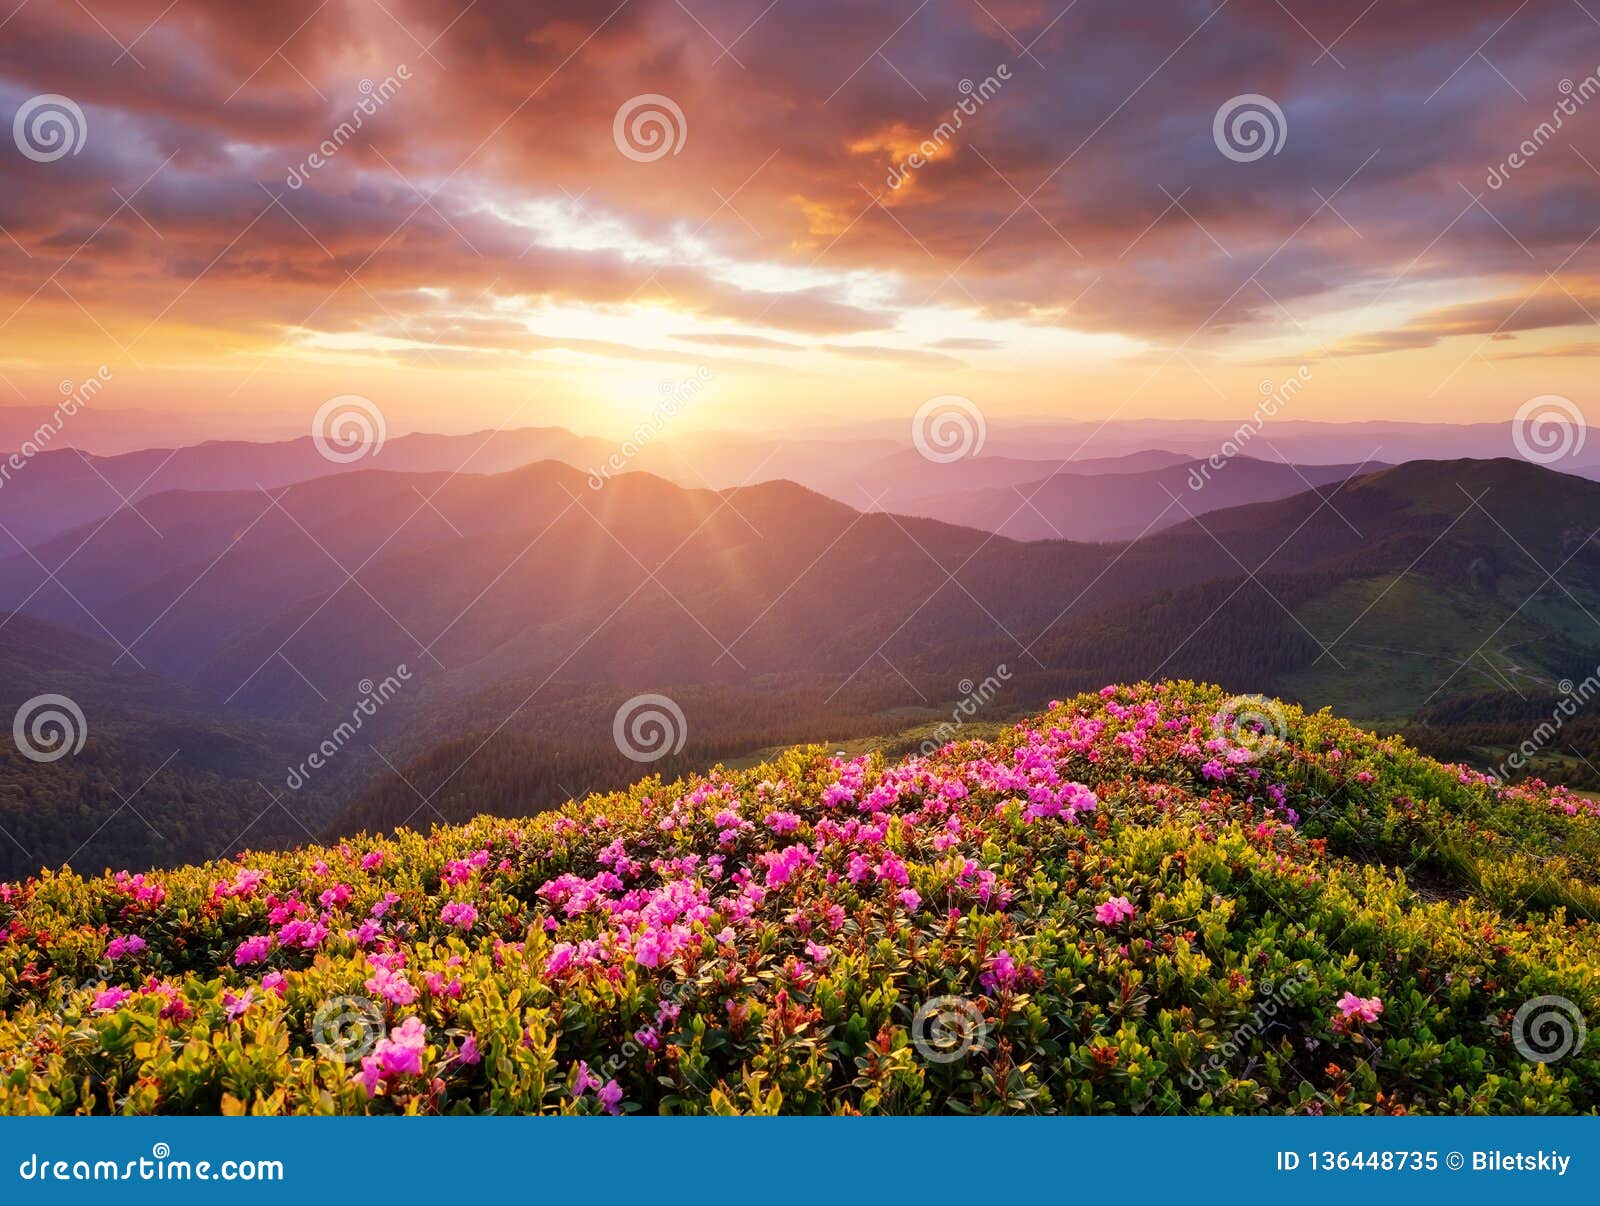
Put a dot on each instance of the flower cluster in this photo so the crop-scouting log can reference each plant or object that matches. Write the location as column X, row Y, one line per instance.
column 1104, row 890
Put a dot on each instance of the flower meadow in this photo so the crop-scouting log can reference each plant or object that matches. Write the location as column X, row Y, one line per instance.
column 1140, row 901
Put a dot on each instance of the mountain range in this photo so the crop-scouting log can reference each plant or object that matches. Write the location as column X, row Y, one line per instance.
column 1110, row 504
column 63, row 489
column 232, row 630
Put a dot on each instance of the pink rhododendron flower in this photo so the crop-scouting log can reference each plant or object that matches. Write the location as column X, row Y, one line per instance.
column 584, row 1080
column 1002, row 973
column 399, row 1054
column 439, row 987
column 245, row 882
column 252, row 950
column 1112, row 911
column 392, row 986
column 610, row 1095
column 174, row 1007
column 236, row 1006
column 469, row 1054
column 109, row 999
column 893, row 871
column 560, row 959
column 131, row 944
column 335, row 896
column 274, row 982
column 459, row 914
column 136, row 887
column 1365, row 1008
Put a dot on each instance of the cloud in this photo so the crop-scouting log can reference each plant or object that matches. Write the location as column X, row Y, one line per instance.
column 1086, row 193
column 909, row 356
column 1565, row 351
column 734, row 340
column 1495, row 319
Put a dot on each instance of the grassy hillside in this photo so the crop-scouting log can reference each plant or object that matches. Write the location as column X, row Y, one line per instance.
column 1152, row 899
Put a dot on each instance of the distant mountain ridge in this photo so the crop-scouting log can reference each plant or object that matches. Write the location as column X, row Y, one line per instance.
column 1116, row 505
column 62, row 488
column 528, row 606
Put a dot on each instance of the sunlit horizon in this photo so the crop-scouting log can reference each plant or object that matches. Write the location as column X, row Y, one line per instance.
column 402, row 207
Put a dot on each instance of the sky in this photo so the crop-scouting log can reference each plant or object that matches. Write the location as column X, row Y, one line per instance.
column 483, row 213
